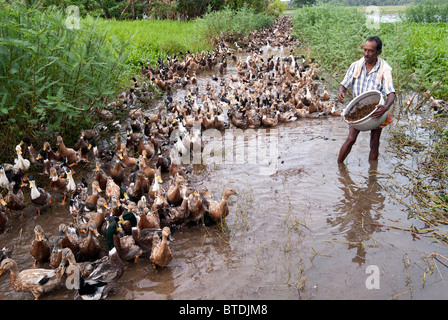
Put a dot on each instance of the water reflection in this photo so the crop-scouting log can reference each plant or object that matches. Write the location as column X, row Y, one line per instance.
column 359, row 208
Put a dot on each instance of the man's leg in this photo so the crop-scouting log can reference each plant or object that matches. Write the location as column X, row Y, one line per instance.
column 375, row 135
column 348, row 144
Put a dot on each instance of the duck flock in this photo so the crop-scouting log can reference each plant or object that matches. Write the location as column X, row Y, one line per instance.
column 126, row 206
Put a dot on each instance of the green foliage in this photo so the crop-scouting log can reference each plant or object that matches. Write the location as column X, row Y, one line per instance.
column 428, row 11
column 232, row 23
column 334, row 34
column 52, row 78
column 154, row 39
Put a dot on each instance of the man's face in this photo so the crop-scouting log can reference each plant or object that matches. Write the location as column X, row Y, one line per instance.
column 370, row 52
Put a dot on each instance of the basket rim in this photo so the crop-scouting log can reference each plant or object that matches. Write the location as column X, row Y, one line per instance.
column 362, row 95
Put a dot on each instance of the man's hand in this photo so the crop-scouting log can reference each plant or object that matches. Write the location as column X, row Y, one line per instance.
column 381, row 109
column 341, row 94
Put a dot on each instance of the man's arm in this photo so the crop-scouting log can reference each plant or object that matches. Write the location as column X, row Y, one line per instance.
column 382, row 108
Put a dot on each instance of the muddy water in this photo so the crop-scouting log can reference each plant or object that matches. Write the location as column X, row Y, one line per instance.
column 308, row 229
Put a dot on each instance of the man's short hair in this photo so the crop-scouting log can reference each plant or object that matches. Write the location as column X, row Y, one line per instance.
column 379, row 43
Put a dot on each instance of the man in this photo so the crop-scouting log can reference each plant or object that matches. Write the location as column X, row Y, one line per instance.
column 369, row 73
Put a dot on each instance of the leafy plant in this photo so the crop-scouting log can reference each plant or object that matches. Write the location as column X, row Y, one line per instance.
column 53, row 78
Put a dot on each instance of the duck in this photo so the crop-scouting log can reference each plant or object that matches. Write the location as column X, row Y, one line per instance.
column 127, row 221
column 161, row 254
column 179, row 215
column 163, row 162
column 173, row 194
column 52, row 156
column 56, row 253
column 73, row 157
column 144, row 237
column 103, row 275
column 112, row 189
column 40, row 247
column 93, row 198
column 101, row 176
column 139, row 187
column 219, row 209
column 148, row 220
column 39, row 196
column 119, row 146
column 89, row 247
column 71, row 185
column 116, row 208
column 31, row 151
column 198, row 205
column 117, row 173
column 156, row 188
column 128, row 162
column 82, row 145
column 70, row 237
column 58, row 183
column 125, row 245
column 20, row 163
column 100, row 154
column 36, row 281
column 147, row 146
column 15, row 200
column 42, row 156
column 144, row 166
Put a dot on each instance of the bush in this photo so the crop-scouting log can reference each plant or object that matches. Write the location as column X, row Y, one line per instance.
column 53, row 78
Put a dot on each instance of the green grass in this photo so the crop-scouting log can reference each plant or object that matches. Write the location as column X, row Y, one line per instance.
column 154, row 39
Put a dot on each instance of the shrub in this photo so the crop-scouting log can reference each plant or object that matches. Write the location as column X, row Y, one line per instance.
column 53, row 78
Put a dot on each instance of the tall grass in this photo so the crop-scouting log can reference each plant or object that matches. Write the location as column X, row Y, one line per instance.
column 52, row 78
column 232, row 23
column 428, row 11
column 154, row 39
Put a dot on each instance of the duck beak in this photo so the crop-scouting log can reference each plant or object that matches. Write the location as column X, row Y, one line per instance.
column 95, row 232
column 125, row 195
column 208, row 194
column 1, row 271
column 120, row 156
column 159, row 179
column 3, row 202
column 196, row 194
column 106, row 206
column 90, row 146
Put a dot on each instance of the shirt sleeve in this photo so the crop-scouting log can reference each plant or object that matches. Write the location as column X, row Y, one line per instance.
column 348, row 80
